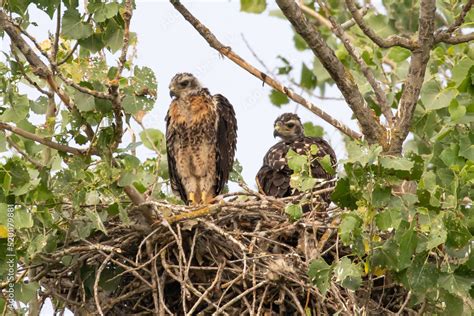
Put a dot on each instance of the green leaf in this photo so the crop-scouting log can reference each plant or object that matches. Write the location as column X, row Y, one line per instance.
column 422, row 275
column 348, row 274
column 458, row 234
column 325, row 162
column 103, row 11
column 153, row 139
column 388, row 219
column 40, row 105
column 3, row 142
column 23, row 218
column 84, row 102
column 396, row 163
column 319, row 274
column 278, row 98
column 456, row 110
column 308, row 78
column 7, row 181
column 398, row 54
column 311, row 130
column 94, row 43
column 253, row 6
column 113, row 36
column 18, row 109
column 126, row 178
column 466, row 143
column 434, row 97
column 73, row 27
column 26, row 292
column 144, row 77
column 294, row 211
column 131, row 105
column 296, row 162
column 461, row 70
column 300, row 43
column 408, row 243
column 342, row 194
column 349, row 228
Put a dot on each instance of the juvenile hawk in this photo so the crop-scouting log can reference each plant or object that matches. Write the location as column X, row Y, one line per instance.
column 273, row 178
column 201, row 137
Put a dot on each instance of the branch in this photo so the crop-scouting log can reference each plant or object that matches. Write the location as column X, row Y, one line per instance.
column 457, row 39
column 43, row 141
column 227, row 51
column 446, row 36
column 37, row 164
column 393, row 40
column 460, row 19
column 370, row 126
column 321, row 19
column 416, row 75
column 114, row 87
column 368, row 73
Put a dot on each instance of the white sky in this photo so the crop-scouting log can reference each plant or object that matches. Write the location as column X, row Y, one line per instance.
column 168, row 44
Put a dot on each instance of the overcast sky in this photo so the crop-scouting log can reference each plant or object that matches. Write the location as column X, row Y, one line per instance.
column 168, row 44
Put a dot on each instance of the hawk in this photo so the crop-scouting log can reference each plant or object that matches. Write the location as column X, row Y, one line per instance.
column 273, row 178
column 201, row 137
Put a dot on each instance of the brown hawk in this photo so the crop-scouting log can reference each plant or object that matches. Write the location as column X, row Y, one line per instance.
column 273, row 178
column 201, row 137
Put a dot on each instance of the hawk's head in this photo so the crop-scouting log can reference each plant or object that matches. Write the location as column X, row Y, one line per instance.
column 288, row 126
column 183, row 84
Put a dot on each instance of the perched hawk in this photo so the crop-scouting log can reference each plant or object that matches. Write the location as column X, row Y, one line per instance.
column 201, row 136
column 273, row 178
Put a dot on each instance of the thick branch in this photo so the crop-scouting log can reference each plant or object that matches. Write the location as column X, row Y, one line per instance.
column 393, row 40
column 41, row 140
column 371, row 128
column 226, row 51
column 416, row 74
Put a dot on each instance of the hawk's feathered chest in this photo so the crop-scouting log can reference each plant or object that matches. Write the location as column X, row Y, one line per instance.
column 194, row 118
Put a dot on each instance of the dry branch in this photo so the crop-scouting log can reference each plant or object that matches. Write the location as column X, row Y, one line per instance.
column 369, row 123
column 227, row 51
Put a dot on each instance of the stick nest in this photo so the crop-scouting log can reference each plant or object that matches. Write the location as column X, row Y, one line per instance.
column 244, row 257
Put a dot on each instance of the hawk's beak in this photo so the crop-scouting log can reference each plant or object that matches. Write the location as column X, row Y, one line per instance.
column 276, row 131
column 172, row 94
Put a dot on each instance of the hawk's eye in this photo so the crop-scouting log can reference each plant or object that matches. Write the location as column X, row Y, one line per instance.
column 290, row 125
column 184, row 83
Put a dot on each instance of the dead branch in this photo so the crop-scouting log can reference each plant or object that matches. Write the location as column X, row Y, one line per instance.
column 227, row 51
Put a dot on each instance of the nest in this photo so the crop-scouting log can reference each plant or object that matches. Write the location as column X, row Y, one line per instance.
column 244, row 257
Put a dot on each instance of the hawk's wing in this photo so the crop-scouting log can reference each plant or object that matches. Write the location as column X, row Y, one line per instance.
column 175, row 180
column 226, row 140
column 274, row 176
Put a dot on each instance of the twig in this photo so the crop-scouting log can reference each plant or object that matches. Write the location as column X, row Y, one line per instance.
column 35, row 163
column 227, row 51
column 392, row 40
column 43, row 141
column 407, row 299
column 96, row 283
column 238, row 297
column 206, row 292
column 296, row 300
